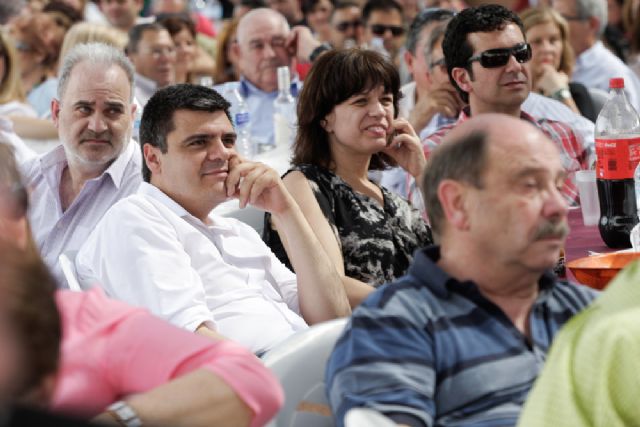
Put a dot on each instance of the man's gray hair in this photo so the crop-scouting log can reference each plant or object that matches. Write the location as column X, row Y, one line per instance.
column 95, row 53
column 437, row 34
column 597, row 8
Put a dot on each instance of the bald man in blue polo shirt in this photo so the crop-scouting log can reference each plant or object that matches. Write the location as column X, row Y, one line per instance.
column 460, row 339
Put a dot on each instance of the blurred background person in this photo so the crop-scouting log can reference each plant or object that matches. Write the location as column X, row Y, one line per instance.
column 226, row 66
column 346, row 27
column 183, row 33
column 347, row 126
column 384, row 27
column 290, row 9
column 122, row 14
column 171, row 7
column 316, row 15
column 13, row 100
column 552, row 60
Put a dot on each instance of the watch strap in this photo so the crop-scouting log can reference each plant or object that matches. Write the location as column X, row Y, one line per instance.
column 124, row 414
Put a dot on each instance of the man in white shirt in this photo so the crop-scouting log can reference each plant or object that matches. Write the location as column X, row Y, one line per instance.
column 162, row 248
column 73, row 185
column 153, row 54
column 595, row 64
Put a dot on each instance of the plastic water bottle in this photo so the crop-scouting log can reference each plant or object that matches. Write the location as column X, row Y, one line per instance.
column 241, row 121
column 617, row 134
column 285, row 118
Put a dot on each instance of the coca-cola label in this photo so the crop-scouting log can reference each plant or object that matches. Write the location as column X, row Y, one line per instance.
column 617, row 158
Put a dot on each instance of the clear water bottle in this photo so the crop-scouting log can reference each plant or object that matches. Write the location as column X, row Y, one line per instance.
column 617, row 134
column 284, row 111
column 241, row 121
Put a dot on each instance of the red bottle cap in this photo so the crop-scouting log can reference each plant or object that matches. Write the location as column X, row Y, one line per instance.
column 616, row 83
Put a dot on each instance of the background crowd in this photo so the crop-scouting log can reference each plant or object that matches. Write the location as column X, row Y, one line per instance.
column 424, row 195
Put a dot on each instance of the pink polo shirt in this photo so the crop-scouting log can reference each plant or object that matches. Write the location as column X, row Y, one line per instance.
column 111, row 350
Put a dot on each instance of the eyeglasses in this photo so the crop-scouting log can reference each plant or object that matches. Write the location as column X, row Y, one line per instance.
column 379, row 29
column 494, row 58
column 345, row 25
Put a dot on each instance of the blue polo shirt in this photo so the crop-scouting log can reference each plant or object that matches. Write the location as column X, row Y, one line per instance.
column 431, row 350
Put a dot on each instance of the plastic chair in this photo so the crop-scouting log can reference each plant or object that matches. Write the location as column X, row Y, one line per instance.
column 299, row 364
column 599, row 97
column 68, row 266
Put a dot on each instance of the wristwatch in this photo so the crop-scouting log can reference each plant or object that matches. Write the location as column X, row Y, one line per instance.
column 561, row 94
column 319, row 51
column 124, row 414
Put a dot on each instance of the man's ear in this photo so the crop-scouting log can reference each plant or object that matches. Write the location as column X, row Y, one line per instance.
column 152, row 158
column 408, row 59
column 594, row 24
column 462, row 77
column 452, row 195
column 55, row 111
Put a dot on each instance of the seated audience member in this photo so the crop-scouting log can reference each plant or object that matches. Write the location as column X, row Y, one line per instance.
column 73, row 185
column 13, row 101
column 290, row 9
column 552, row 60
column 160, row 375
column 258, row 63
column 429, row 101
column 316, row 14
column 347, row 126
column 461, row 338
column 346, row 25
column 198, row 270
column 383, row 20
column 153, row 54
column 595, row 64
column 591, row 377
column 203, row 25
column 122, row 14
column 226, row 67
column 183, row 33
column 487, row 60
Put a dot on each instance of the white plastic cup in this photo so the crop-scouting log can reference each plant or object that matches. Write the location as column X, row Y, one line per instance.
column 588, row 191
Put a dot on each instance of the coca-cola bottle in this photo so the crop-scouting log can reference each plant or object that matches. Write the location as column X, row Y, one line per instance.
column 617, row 135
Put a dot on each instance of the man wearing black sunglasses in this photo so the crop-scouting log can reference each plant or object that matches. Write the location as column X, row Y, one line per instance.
column 487, row 60
column 346, row 25
column 383, row 21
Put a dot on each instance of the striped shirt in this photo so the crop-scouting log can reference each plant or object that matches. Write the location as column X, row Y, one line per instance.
column 430, row 350
column 575, row 155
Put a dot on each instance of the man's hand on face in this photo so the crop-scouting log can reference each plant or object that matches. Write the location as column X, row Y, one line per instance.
column 441, row 99
column 257, row 184
column 300, row 43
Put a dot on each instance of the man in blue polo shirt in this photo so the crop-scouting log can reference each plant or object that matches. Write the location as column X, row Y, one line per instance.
column 460, row 339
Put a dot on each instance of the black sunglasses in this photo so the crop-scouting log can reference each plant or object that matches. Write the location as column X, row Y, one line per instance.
column 344, row 25
column 494, row 58
column 379, row 29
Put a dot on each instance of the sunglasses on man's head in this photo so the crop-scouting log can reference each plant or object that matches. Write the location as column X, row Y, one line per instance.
column 494, row 58
column 379, row 29
column 344, row 25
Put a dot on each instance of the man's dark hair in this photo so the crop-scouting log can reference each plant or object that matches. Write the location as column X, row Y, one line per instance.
column 422, row 19
column 308, row 5
column 157, row 118
column 379, row 5
column 345, row 4
column 253, row 4
column 464, row 160
column 482, row 19
column 137, row 32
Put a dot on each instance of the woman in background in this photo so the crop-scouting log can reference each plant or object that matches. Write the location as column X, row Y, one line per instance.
column 553, row 59
column 13, row 100
column 347, row 126
column 183, row 33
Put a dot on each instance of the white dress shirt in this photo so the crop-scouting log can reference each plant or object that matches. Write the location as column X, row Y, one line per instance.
column 149, row 251
column 56, row 231
column 143, row 89
column 596, row 65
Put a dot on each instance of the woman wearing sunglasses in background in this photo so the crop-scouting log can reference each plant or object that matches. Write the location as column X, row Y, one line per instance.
column 552, row 60
column 347, row 127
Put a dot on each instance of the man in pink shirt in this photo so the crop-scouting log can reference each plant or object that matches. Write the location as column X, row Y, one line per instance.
column 156, row 374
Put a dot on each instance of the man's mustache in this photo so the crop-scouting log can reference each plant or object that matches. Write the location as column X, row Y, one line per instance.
column 552, row 229
column 99, row 136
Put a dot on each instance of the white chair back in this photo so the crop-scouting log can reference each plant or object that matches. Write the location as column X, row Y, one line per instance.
column 299, row 363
